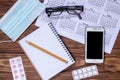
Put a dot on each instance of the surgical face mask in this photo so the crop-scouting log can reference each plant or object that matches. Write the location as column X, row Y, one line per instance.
column 19, row 17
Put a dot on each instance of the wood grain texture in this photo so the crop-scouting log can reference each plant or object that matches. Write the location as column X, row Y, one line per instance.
column 109, row 70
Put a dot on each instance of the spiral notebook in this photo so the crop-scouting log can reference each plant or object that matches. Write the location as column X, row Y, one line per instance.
column 46, row 65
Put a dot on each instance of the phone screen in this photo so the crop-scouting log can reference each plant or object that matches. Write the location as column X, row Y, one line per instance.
column 94, row 45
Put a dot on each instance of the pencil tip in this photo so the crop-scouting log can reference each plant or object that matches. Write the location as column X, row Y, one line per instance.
column 66, row 62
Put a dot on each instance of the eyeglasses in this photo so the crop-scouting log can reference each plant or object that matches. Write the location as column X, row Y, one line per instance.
column 73, row 10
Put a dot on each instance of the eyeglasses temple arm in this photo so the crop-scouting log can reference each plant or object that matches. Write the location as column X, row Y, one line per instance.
column 78, row 14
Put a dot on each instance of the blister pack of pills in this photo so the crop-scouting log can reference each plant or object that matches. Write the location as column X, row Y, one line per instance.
column 85, row 72
column 17, row 68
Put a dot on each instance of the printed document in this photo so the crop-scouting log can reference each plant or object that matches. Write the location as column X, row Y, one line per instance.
column 102, row 13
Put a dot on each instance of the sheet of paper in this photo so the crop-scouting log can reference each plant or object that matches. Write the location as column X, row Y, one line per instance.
column 103, row 13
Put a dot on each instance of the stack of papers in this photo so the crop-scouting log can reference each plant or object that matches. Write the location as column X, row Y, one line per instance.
column 103, row 13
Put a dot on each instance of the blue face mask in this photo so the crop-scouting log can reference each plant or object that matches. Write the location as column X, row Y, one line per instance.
column 19, row 17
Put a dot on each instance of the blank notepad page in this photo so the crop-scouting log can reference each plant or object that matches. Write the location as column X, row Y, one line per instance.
column 47, row 38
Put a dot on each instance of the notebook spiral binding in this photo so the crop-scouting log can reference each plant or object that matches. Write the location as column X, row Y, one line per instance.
column 60, row 41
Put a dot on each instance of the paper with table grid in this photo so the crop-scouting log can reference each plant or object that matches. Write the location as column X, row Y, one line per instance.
column 47, row 38
column 105, row 13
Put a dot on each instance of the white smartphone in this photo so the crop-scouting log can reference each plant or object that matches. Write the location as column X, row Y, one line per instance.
column 94, row 45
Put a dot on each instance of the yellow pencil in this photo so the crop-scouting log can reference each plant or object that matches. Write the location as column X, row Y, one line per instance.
column 51, row 54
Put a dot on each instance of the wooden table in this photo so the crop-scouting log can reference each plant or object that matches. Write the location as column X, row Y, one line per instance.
column 109, row 70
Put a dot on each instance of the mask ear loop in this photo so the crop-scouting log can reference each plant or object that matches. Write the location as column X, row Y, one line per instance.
column 7, row 41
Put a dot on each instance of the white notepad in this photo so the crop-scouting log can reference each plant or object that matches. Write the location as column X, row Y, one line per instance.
column 47, row 38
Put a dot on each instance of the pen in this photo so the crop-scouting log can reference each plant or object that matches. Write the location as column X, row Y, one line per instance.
column 47, row 52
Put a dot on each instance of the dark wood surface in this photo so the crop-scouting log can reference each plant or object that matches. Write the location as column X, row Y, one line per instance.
column 109, row 70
